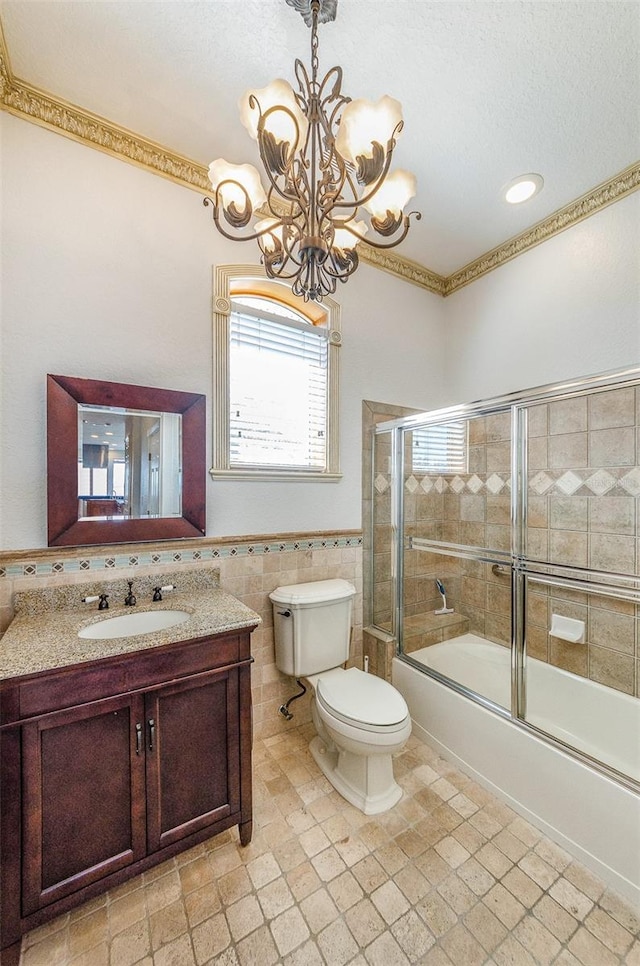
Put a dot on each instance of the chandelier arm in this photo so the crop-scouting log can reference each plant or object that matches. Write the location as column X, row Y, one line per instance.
column 341, row 269
column 297, row 199
column 336, row 91
column 206, row 201
column 345, row 226
column 391, row 144
column 392, row 244
column 266, row 149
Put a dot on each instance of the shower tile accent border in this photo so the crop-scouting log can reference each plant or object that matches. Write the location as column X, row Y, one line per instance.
column 86, row 562
column 612, row 481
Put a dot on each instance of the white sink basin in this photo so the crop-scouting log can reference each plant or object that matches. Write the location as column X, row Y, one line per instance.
column 128, row 625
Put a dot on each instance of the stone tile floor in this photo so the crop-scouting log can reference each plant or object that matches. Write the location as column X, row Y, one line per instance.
column 449, row 876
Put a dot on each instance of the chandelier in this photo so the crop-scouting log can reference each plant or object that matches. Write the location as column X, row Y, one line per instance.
column 327, row 161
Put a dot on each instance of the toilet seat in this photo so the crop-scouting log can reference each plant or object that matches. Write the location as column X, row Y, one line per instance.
column 362, row 701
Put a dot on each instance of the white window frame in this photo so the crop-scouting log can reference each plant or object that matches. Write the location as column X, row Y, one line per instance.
column 229, row 280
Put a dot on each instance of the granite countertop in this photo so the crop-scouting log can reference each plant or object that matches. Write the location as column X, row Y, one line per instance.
column 44, row 633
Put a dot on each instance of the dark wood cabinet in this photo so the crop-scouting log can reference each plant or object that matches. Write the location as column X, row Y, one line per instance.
column 111, row 767
column 192, row 729
column 82, row 798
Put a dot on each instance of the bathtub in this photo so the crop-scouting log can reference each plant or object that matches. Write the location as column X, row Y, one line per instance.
column 592, row 816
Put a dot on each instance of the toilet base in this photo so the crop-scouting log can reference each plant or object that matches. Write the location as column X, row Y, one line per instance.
column 365, row 781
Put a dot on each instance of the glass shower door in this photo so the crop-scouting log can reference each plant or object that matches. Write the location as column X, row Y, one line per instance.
column 456, row 574
column 582, row 564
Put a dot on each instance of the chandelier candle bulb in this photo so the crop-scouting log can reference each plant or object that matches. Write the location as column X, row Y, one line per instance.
column 326, row 159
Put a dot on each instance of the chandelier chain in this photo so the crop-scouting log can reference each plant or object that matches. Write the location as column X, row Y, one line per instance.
column 315, row 6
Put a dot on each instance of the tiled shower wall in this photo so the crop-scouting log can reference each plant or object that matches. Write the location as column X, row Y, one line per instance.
column 249, row 569
column 583, row 511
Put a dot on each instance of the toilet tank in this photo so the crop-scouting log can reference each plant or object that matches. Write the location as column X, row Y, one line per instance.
column 312, row 625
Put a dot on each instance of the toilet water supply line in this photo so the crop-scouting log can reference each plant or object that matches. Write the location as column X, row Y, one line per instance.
column 284, row 708
column 444, row 609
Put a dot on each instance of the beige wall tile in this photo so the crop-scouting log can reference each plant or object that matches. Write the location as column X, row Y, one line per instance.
column 612, row 668
column 498, row 426
column 612, row 552
column 568, row 547
column 473, row 508
column 615, row 407
column 477, row 430
column 477, row 459
column 615, row 631
column 538, row 421
column 569, row 512
column 537, row 608
column 498, row 457
column 498, row 600
column 537, row 642
column 615, row 514
column 568, row 451
column 568, row 416
column 571, row 657
column 498, row 509
column 538, row 453
column 612, row 447
column 498, row 538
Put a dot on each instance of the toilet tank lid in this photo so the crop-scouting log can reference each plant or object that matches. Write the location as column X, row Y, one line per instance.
column 313, row 592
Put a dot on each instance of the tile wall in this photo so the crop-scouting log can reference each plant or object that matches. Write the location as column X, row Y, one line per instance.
column 584, row 508
column 249, row 569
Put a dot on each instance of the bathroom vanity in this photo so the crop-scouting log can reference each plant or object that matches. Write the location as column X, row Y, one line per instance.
column 111, row 765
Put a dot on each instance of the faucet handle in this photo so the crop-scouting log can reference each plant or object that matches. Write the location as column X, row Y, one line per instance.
column 104, row 602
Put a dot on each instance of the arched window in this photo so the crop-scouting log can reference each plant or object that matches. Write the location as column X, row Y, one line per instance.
column 276, row 381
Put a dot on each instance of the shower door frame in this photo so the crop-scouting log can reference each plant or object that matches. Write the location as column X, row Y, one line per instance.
column 521, row 567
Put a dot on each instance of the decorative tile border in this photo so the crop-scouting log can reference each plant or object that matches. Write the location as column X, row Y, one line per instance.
column 90, row 564
column 614, row 480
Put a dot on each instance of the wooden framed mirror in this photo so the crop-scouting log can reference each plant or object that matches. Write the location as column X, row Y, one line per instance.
column 124, row 463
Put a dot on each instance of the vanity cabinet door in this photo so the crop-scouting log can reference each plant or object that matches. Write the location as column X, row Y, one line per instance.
column 193, row 756
column 83, row 797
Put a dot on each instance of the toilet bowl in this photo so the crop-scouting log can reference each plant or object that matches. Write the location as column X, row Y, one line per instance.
column 362, row 721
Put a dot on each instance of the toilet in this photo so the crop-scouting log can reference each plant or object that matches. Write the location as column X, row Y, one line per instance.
column 360, row 719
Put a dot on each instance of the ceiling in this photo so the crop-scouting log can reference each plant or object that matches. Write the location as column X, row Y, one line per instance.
column 490, row 89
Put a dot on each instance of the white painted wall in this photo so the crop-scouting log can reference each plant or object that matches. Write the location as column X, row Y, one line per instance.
column 106, row 274
column 568, row 308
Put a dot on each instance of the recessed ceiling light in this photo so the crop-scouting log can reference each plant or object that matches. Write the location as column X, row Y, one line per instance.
column 522, row 188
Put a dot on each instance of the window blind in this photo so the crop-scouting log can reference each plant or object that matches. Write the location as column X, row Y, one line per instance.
column 441, row 448
column 277, row 388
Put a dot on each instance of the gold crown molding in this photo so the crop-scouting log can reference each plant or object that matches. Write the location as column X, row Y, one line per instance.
column 593, row 201
column 25, row 101
column 403, row 268
column 31, row 104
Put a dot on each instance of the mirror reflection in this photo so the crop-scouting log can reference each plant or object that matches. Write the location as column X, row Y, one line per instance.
column 129, row 463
